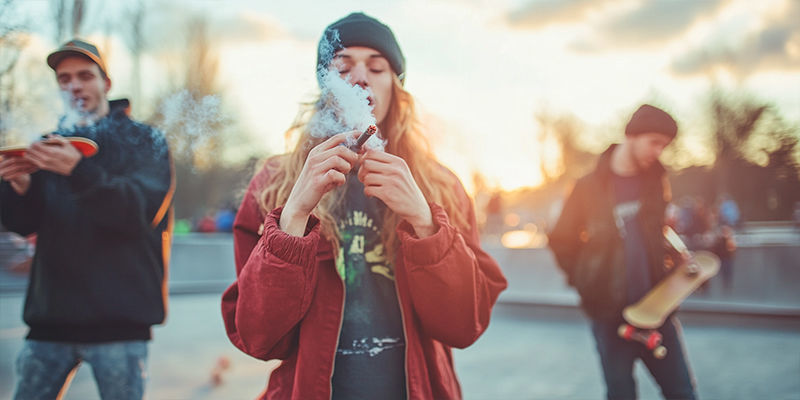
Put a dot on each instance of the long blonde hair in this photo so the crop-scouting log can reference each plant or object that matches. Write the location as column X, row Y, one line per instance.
column 401, row 129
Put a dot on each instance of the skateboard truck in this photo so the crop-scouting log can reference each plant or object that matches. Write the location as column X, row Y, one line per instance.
column 650, row 338
column 691, row 268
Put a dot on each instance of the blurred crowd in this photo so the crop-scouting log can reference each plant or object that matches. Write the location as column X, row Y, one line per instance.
column 220, row 220
column 710, row 228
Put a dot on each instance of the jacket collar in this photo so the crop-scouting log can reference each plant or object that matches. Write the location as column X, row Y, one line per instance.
column 119, row 107
column 603, row 170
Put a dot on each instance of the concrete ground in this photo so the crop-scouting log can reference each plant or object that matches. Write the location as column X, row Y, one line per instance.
column 528, row 352
column 743, row 342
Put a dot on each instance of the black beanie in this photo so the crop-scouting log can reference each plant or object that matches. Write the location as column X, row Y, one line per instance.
column 651, row 119
column 359, row 29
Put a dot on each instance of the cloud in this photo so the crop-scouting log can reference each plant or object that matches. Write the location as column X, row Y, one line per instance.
column 774, row 45
column 658, row 21
column 247, row 27
column 539, row 14
column 617, row 24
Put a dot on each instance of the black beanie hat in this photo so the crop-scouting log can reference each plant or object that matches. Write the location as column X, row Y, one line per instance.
column 651, row 119
column 359, row 29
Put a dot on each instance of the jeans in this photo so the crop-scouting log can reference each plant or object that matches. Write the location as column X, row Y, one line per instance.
column 45, row 368
column 617, row 358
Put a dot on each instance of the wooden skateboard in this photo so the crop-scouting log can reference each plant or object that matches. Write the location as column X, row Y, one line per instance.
column 87, row 147
column 644, row 317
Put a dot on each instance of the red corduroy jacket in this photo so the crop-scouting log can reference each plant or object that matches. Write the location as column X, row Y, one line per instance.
column 287, row 301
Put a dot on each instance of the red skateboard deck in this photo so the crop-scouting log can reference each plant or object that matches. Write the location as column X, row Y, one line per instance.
column 87, row 147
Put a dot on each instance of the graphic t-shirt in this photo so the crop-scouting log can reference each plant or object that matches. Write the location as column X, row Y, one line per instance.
column 370, row 360
column 627, row 192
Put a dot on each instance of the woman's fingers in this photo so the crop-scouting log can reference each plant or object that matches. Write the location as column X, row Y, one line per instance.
column 334, row 178
column 335, row 140
column 336, row 163
column 373, row 179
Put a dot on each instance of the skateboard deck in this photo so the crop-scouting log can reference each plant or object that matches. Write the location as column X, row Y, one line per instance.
column 652, row 310
column 87, row 147
column 649, row 313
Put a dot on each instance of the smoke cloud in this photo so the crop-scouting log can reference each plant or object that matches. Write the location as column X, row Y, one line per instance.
column 191, row 122
column 74, row 115
column 342, row 106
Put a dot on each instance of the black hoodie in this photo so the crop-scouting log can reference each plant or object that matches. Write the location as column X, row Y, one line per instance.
column 99, row 270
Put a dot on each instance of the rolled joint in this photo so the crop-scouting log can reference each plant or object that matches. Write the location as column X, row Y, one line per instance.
column 365, row 136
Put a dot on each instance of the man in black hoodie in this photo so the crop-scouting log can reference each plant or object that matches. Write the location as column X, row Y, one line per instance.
column 609, row 242
column 97, row 283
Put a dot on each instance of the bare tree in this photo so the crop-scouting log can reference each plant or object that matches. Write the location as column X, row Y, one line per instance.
column 190, row 114
column 136, row 41
column 69, row 18
column 203, row 65
column 754, row 144
column 77, row 16
column 11, row 43
column 197, row 128
column 59, row 9
column 565, row 130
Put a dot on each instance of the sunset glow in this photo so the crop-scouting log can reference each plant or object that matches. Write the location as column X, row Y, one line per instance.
column 480, row 70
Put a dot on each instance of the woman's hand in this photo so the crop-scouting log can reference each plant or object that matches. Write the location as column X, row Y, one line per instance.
column 325, row 168
column 388, row 178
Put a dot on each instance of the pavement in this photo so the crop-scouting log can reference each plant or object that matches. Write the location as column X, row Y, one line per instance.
column 528, row 352
column 743, row 342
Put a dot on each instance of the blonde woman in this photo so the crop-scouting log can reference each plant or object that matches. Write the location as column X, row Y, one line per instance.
column 360, row 270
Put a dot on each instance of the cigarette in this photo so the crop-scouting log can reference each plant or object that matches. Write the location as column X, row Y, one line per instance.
column 365, row 136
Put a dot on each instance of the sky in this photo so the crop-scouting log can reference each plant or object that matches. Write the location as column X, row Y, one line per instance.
column 481, row 71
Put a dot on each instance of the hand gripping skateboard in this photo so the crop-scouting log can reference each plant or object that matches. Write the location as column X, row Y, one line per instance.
column 648, row 314
column 87, row 147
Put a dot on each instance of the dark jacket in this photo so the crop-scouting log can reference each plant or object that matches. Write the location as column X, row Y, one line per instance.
column 587, row 244
column 98, row 273
column 287, row 301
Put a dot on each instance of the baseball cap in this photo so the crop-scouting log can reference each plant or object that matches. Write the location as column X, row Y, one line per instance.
column 77, row 47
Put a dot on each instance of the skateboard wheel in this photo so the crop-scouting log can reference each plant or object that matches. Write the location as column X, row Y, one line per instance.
column 653, row 340
column 660, row 352
column 625, row 331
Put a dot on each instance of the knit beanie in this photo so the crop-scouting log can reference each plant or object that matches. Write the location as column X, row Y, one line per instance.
column 651, row 119
column 359, row 29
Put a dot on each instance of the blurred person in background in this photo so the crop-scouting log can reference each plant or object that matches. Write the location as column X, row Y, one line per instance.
column 392, row 229
column 796, row 215
column 728, row 212
column 97, row 282
column 724, row 247
column 609, row 242
column 206, row 224
column 224, row 219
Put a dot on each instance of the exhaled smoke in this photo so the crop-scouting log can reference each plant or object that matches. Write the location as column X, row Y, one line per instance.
column 192, row 123
column 74, row 115
column 342, row 106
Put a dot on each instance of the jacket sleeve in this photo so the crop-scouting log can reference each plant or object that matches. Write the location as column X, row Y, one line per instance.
column 275, row 281
column 21, row 214
column 453, row 282
column 130, row 202
column 565, row 238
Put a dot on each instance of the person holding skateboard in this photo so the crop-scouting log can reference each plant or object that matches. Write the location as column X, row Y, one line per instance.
column 609, row 242
column 360, row 269
column 97, row 282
